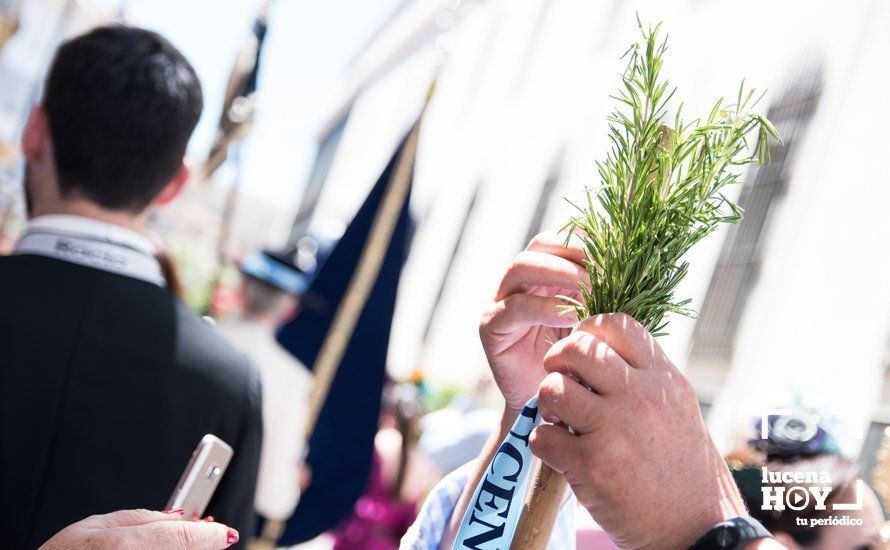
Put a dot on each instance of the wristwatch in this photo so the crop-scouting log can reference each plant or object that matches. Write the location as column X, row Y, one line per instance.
column 733, row 534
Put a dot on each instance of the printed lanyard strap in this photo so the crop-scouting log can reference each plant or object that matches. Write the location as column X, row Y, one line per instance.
column 491, row 518
column 99, row 254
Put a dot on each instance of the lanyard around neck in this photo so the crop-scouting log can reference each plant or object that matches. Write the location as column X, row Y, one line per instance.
column 94, row 252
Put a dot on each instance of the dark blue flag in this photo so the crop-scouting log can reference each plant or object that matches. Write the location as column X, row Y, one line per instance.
column 341, row 446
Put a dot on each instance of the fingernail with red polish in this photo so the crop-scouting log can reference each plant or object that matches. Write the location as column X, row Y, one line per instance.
column 232, row 537
column 210, row 519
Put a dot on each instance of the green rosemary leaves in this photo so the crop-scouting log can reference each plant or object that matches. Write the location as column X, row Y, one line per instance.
column 661, row 190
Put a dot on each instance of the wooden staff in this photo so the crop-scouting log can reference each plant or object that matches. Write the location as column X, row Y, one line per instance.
column 541, row 507
column 365, row 275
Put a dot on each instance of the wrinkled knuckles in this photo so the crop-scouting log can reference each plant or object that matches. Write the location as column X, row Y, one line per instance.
column 187, row 537
column 510, row 302
column 551, row 392
column 489, row 315
column 542, row 239
column 578, row 345
column 517, row 265
column 611, row 323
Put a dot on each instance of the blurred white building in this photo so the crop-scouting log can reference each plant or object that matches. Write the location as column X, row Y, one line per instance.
column 38, row 26
column 30, row 31
column 794, row 303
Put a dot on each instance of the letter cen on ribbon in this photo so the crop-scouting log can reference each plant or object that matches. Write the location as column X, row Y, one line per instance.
column 491, row 519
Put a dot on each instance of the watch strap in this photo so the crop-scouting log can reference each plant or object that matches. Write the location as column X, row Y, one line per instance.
column 733, row 534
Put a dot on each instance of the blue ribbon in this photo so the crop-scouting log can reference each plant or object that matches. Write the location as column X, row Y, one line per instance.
column 491, row 518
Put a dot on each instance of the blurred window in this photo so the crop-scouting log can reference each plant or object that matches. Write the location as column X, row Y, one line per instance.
column 739, row 261
column 544, row 198
column 457, row 243
column 327, row 148
column 532, row 42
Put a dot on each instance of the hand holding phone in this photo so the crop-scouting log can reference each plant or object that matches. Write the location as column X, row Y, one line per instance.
column 201, row 476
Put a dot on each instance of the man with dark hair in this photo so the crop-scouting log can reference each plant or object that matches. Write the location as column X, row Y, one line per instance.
column 121, row 104
column 107, row 381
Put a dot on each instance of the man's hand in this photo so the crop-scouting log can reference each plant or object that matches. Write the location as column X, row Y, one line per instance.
column 517, row 329
column 641, row 460
column 524, row 320
column 142, row 529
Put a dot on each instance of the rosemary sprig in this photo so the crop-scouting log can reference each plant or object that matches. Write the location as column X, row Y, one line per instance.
column 661, row 189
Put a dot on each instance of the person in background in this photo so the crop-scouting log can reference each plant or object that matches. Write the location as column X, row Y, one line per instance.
column 453, row 435
column 271, row 286
column 107, row 380
column 797, row 443
column 399, row 477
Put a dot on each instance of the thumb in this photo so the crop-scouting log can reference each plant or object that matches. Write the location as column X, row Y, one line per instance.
column 183, row 535
column 555, row 446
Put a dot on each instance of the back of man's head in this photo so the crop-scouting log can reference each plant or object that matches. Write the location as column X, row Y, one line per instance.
column 122, row 104
column 266, row 301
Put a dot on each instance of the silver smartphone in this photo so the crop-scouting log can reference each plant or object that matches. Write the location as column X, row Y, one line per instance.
column 200, row 477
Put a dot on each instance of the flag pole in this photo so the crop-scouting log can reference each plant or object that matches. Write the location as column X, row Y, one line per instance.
column 235, row 123
column 362, row 282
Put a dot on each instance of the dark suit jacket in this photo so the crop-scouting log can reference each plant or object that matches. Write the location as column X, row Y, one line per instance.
column 107, row 383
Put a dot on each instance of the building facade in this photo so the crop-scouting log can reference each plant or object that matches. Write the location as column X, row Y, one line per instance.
column 794, row 303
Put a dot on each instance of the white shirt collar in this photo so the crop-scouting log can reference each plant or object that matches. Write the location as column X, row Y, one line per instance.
column 92, row 228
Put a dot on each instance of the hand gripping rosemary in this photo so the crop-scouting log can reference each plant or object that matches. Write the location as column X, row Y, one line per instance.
column 661, row 192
